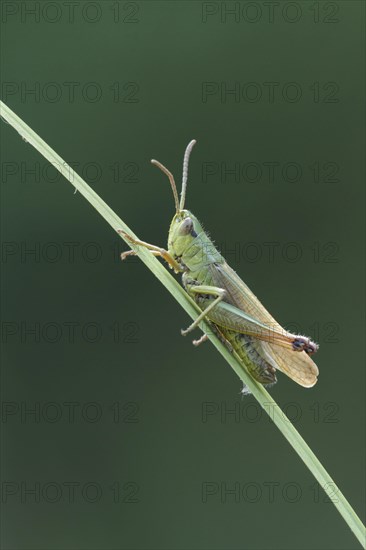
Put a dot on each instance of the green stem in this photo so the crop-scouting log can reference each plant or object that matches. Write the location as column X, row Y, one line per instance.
column 262, row 396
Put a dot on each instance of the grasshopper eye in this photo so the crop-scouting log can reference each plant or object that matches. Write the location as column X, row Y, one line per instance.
column 186, row 227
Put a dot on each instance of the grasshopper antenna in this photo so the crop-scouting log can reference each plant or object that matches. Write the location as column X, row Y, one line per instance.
column 185, row 173
column 172, row 182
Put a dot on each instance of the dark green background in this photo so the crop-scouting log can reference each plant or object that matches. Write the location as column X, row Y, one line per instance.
column 167, row 450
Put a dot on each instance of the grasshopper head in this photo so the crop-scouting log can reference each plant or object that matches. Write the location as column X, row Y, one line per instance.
column 184, row 227
column 182, row 233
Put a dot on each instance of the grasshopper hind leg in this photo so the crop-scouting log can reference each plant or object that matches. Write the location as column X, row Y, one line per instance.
column 260, row 369
column 257, row 366
column 265, row 374
column 216, row 330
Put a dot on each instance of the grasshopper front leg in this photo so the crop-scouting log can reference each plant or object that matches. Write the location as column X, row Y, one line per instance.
column 156, row 250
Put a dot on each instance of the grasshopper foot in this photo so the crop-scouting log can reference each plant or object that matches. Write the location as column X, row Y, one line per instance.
column 200, row 341
column 124, row 255
column 245, row 390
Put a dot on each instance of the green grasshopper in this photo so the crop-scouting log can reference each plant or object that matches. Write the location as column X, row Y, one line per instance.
column 235, row 315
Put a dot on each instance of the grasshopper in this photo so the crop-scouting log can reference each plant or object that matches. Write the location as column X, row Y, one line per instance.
column 233, row 312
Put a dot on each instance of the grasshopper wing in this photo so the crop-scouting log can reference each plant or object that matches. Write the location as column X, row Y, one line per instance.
column 297, row 365
column 274, row 344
